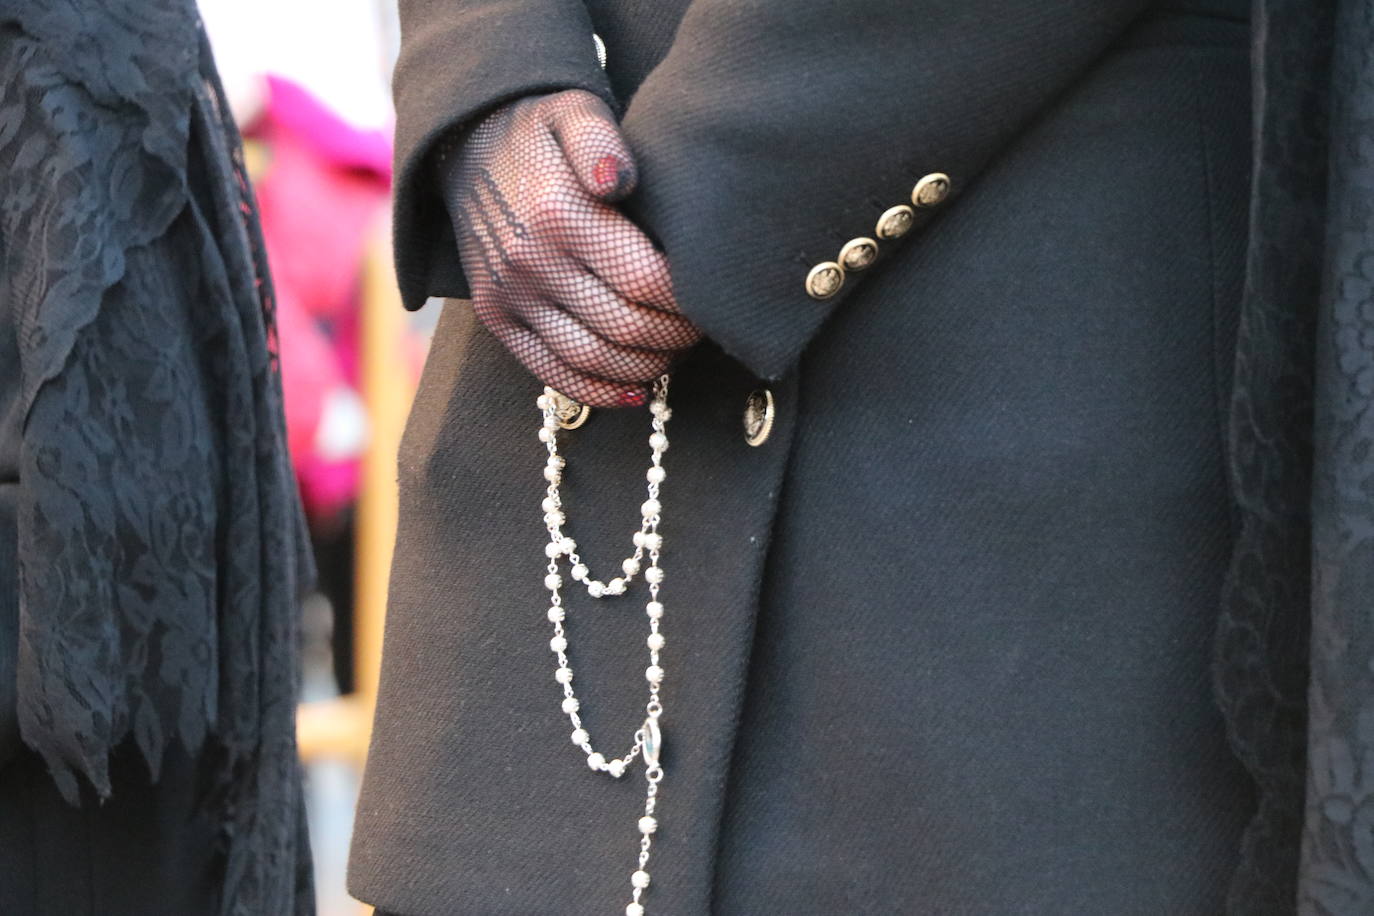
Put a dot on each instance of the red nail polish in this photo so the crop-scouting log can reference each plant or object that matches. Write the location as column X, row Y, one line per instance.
column 606, row 174
column 635, row 397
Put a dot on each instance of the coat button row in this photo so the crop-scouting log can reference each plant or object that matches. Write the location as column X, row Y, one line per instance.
column 827, row 277
column 759, row 414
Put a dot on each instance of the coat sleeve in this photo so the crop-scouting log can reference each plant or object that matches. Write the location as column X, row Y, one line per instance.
column 458, row 60
column 774, row 132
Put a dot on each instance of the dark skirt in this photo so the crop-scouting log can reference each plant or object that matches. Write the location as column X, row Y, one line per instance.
column 151, row 850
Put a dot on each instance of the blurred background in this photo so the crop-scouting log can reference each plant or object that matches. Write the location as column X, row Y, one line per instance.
column 309, row 83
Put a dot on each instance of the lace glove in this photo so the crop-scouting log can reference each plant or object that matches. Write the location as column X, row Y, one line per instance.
column 573, row 288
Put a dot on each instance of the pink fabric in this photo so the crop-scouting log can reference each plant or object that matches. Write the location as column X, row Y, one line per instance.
column 322, row 197
column 334, row 140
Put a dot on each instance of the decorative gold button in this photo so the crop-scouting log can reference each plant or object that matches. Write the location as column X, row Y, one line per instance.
column 858, row 253
column 895, row 222
column 571, row 414
column 758, row 417
column 931, row 190
column 824, row 280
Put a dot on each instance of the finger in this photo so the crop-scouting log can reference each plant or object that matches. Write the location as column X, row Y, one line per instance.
column 616, row 250
column 594, row 146
column 578, row 346
column 588, row 298
column 526, row 346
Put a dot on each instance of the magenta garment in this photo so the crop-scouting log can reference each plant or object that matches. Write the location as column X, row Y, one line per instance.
column 322, row 196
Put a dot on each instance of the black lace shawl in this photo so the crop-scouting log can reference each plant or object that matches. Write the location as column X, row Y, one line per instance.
column 1295, row 649
column 160, row 540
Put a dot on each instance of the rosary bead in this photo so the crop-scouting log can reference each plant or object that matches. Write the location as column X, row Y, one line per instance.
column 631, row 566
column 559, row 644
column 548, row 505
column 660, row 410
column 615, row 587
column 580, row 571
column 654, row 609
column 638, row 538
column 563, row 675
column 550, row 422
column 554, row 518
column 656, row 474
column 596, row 589
column 653, row 575
column 658, row 442
column 553, row 581
column 556, row 461
column 640, row 878
column 545, row 434
column 552, row 550
column 634, row 909
column 650, row 508
column 655, row 641
column 571, row 705
column 544, row 401
column 580, row 736
column 553, row 475
column 596, row 760
column 653, row 674
column 557, row 614
column 616, row 768
column 647, row 825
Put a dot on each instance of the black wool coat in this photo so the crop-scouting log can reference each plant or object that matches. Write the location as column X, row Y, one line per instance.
column 944, row 642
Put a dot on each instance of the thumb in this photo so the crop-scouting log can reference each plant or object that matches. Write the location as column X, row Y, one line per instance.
column 594, row 146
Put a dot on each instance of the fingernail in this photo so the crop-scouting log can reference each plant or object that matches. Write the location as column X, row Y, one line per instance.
column 635, row 397
column 606, row 174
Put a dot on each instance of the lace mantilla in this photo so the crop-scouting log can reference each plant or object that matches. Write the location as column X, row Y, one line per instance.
column 161, row 546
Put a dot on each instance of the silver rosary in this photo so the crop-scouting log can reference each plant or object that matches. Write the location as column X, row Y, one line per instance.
column 559, row 412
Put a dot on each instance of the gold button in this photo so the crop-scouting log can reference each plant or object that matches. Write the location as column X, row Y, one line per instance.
column 758, row 417
column 858, row 253
column 571, row 414
column 931, row 190
column 895, row 222
column 824, row 280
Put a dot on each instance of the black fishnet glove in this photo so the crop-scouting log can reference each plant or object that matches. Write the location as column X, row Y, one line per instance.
column 566, row 281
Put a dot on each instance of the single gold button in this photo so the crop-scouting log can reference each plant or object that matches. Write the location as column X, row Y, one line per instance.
column 858, row 253
column 931, row 190
column 895, row 222
column 824, row 280
column 571, row 414
column 758, row 417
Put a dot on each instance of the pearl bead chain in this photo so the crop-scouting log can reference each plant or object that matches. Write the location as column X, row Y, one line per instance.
column 648, row 739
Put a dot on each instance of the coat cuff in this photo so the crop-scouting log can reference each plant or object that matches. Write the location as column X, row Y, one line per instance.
column 773, row 135
column 458, row 62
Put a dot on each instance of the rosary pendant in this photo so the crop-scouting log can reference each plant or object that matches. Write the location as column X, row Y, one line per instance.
column 560, row 412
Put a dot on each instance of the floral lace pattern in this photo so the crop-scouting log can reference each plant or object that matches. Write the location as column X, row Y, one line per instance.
column 1261, row 649
column 1337, row 873
column 1295, row 648
column 161, row 545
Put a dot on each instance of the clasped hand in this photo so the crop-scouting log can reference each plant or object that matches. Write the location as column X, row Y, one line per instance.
column 572, row 287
